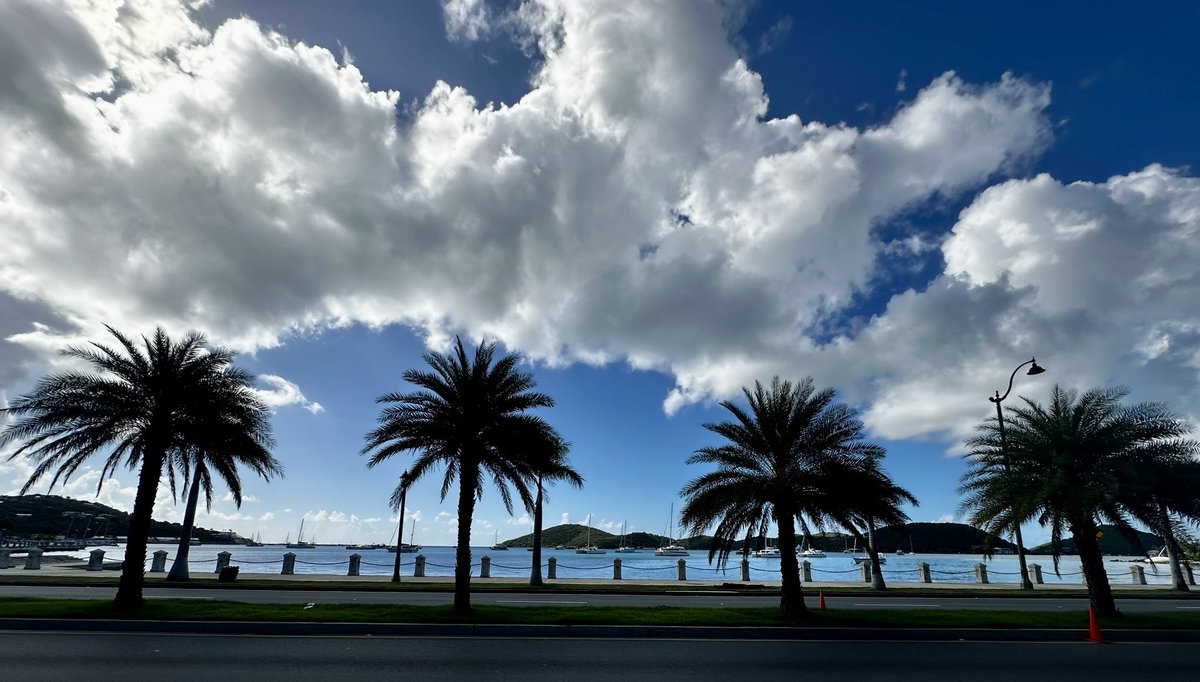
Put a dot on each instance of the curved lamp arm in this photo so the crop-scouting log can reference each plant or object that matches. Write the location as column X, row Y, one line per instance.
column 1032, row 370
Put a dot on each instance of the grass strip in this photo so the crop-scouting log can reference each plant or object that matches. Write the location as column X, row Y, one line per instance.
column 191, row 610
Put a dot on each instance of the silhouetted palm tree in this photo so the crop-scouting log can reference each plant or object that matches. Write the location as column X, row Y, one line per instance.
column 470, row 417
column 147, row 407
column 792, row 444
column 549, row 465
column 861, row 498
column 1164, row 497
column 1071, row 465
column 240, row 436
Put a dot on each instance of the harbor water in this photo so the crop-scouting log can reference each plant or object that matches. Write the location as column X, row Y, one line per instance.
column 643, row 565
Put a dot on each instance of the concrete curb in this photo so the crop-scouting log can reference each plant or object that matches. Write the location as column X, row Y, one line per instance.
column 587, row 631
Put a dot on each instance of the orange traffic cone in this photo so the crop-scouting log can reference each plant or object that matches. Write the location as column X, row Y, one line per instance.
column 822, row 599
column 1095, row 635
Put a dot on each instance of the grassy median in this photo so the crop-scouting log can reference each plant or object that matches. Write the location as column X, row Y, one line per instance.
column 193, row 610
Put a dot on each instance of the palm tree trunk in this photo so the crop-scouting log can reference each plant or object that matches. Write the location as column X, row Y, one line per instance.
column 133, row 570
column 1173, row 550
column 873, row 552
column 179, row 569
column 1092, row 563
column 535, row 570
column 467, row 481
column 791, row 600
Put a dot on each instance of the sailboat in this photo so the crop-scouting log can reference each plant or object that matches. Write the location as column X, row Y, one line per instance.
column 671, row 549
column 588, row 547
column 408, row 548
column 497, row 546
column 621, row 548
column 809, row 552
column 300, row 543
column 255, row 541
column 767, row 552
column 1160, row 558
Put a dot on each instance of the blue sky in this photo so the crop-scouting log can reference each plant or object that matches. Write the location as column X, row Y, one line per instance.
column 655, row 203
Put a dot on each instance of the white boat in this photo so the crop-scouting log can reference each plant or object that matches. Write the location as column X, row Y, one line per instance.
column 497, row 546
column 621, row 548
column 766, row 553
column 900, row 552
column 671, row 549
column 865, row 558
column 1160, row 558
column 809, row 552
column 588, row 547
column 300, row 543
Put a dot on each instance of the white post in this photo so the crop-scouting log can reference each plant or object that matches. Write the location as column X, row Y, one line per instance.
column 552, row 568
column 33, row 560
column 617, row 569
column 745, row 570
column 923, row 572
column 1035, row 573
column 682, row 569
column 1137, row 574
column 289, row 564
column 356, row 561
column 418, row 565
column 485, row 567
column 865, row 569
column 981, row 573
column 96, row 560
column 222, row 561
column 5, row 558
column 806, row 571
column 159, row 563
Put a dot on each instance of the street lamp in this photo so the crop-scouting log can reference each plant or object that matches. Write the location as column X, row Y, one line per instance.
column 400, row 531
column 1026, row 583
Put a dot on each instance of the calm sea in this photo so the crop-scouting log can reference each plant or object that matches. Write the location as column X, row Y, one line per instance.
column 334, row 560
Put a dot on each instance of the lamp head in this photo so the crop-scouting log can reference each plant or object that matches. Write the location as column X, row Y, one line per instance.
column 1035, row 369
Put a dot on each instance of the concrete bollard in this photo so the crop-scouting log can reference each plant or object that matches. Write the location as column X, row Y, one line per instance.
column 355, row 564
column 865, row 569
column 806, row 571
column 981, row 574
column 552, row 569
column 1035, row 574
column 5, row 558
column 289, row 564
column 616, row 569
column 33, row 561
column 745, row 570
column 682, row 569
column 159, row 563
column 419, row 566
column 485, row 567
column 1137, row 574
column 923, row 573
column 96, row 560
column 222, row 561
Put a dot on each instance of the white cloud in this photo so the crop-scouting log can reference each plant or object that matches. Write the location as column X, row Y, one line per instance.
column 283, row 392
column 902, row 81
column 565, row 519
column 635, row 205
column 522, row 520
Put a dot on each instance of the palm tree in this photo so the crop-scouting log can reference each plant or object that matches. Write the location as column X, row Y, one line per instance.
column 470, row 416
column 549, row 465
column 1164, row 497
column 147, row 406
column 859, row 499
column 1071, row 465
column 243, row 438
column 792, row 444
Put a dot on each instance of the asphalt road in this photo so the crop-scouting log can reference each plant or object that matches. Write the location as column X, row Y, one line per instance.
column 53, row 655
column 857, row 601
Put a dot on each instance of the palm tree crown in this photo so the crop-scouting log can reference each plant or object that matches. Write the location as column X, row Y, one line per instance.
column 469, row 416
column 792, row 443
column 155, row 406
column 1078, row 462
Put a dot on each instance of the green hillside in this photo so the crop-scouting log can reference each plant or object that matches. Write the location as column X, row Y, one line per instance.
column 930, row 538
column 44, row 515
column 1112, row 543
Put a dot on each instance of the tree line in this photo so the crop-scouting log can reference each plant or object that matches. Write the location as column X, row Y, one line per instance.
column 790, row 456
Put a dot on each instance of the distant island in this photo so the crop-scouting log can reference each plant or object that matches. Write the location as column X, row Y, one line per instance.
column 49, row 516
column 929, row 538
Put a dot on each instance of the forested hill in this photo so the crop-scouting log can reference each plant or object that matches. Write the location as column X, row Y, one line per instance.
column 44, row 515
column 1112, row 543
column 930, row 538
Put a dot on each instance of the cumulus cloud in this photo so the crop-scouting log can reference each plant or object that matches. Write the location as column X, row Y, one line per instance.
column 636, row 205
column 283, row 392
column 565, row 519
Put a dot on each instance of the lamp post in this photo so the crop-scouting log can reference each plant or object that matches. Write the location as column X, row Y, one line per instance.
column 1026, row 583
column 400, row 531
